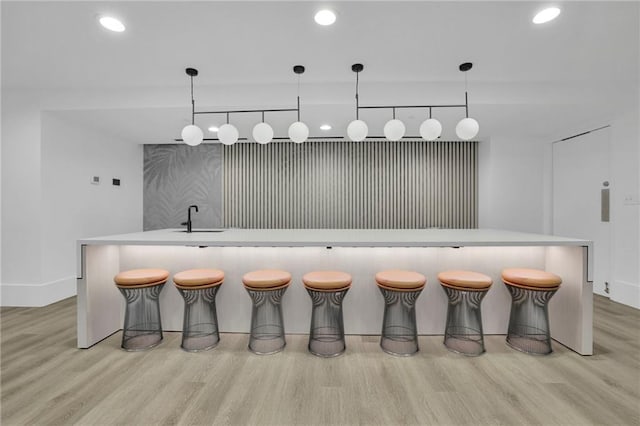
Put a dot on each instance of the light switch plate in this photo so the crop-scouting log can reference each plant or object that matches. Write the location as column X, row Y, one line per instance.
column 631, row 199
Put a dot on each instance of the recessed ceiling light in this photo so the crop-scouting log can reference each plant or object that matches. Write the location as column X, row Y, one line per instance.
column 213, row 129
column 325, row 127
column 546, row 15
column 325, row 17
column 112, row 24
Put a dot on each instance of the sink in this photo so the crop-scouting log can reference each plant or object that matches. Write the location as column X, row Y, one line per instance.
column 202, row 230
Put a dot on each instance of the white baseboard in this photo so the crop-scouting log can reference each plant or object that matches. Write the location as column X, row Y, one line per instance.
column 35, row 295
column 626, row 293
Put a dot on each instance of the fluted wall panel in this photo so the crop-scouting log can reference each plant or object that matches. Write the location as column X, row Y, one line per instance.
column 405, row 184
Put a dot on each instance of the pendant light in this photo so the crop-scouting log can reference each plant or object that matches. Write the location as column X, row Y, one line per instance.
column 298, row 131
column 357, row 129
column 263, row 132
column 227, row 133
column 430, row 129
column 467, row 128
column 394, row 129
column 191, row 134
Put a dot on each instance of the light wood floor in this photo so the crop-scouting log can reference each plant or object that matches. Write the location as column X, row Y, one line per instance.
column 46, row 380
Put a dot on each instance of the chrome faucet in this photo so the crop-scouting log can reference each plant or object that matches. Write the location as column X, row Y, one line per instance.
column 188, row 222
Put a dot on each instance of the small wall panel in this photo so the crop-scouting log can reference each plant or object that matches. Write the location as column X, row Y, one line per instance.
column 177, row 176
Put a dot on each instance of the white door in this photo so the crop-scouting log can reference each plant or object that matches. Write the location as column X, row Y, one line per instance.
column 581, row 197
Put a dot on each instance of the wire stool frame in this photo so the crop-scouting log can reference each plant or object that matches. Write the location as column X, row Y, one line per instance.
column 399, row 330
column 200, row 324
column 326, row 336
column 463, row 330
column 529, row 320
column 267, row 326
column 142, row 324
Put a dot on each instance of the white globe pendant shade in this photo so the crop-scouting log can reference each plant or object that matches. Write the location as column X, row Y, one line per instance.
column 430, row 129
column 228, row 134
column 357, row 130
column 394, row 130
column 467, row 128
column 298, row 132
column 262, row 133
column 192, row 135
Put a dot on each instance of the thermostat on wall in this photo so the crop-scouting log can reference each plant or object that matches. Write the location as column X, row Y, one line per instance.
column 95, row 180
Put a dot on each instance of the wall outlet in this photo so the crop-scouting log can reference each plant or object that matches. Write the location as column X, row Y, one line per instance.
column 95, row 180
column 115, row 181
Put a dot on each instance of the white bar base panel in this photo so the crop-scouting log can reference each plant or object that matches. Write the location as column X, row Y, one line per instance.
column 101, row 307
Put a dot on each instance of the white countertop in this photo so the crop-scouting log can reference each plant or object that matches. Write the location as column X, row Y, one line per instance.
column 337, row 237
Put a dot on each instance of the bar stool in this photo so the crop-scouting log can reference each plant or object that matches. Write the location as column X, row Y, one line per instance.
column 141, row 289
column 266, row 287
column 400, row 290
column 531, row 290
column 198, row 288
column 465, row 290
column 327, row 289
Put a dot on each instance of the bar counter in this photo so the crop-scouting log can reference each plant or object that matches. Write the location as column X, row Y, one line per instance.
column 359, row 252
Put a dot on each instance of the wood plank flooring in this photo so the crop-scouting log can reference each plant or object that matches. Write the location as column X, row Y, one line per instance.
column 46, row 380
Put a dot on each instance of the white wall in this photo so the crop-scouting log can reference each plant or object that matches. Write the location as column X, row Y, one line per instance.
column 624, row 217
column 48, row 201
column 625, row 209
column 73, row 207
column 515, row 190
column 44, row 156
column 511, row 184
column 21, row 190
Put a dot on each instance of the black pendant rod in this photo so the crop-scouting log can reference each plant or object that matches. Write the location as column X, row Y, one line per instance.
column 285, row 138
column 410, row 106
column 357, row 100
column 466, row 104
column 192, row 72
column 298, row 69
column 357, row 68
column 193, row 105
column 464, row 67
column 237, row 111
column 207, row 139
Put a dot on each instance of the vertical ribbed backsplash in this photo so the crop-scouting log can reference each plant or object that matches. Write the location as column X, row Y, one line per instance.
column 405, row 184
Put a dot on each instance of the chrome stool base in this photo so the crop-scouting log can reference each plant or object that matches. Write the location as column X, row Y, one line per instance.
column 267, row 326
column 463, row 331
column 200, row 325
column 326, row 337
column 529, row 320
column 142, row 324
column 399, row 331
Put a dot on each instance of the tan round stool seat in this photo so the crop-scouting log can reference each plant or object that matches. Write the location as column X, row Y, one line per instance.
column 141, row 277
column 266, row 279
column 198, row 278
column 465, row 280
column 533, row 279
column 400, row 280
column 327, row 280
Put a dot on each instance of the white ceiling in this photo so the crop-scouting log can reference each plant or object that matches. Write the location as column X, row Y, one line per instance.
column 535, row 81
